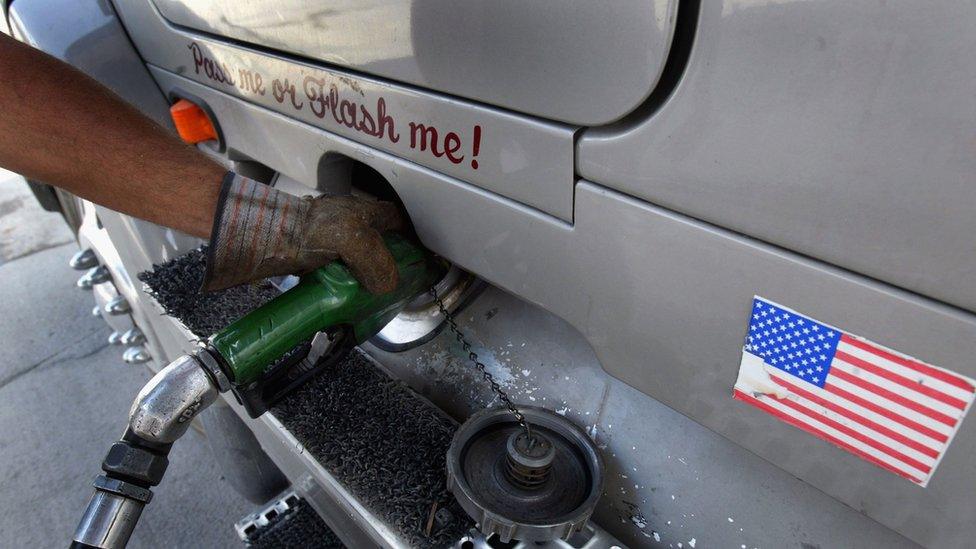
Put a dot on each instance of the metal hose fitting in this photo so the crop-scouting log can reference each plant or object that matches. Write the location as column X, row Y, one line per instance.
column 112, row 513
column 160, row 415
column 165, row 406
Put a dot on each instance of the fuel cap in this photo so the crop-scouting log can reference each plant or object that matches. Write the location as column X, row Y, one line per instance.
column 531, row 486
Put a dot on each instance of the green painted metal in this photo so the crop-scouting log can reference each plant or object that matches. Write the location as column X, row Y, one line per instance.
column 327, row 297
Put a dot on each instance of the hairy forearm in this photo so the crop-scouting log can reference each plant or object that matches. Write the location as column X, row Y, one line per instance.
column 61, row 127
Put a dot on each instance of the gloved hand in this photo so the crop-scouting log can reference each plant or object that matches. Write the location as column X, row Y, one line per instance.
column 260, row 232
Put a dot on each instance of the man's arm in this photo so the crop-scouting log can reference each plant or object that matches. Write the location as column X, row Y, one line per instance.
column 61, row 127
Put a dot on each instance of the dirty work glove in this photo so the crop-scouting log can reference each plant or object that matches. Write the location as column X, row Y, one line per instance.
column 260, row 232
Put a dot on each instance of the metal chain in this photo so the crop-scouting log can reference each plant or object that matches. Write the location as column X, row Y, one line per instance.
column 480, row 366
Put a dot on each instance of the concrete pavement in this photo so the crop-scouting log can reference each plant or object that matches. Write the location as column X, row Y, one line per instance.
column 64, row 397
column 25, row 227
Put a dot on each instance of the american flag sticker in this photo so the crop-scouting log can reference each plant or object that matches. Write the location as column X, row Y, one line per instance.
column 888, row 408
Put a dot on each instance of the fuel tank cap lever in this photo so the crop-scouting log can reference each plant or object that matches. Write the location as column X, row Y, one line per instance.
column 529, row 459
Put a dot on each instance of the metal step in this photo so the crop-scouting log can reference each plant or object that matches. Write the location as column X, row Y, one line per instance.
column 286, row 521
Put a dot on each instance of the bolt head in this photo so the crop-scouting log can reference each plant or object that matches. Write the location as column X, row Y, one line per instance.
column 133, row 337
column 83, row 260
column 136, row 355
column 118, row 306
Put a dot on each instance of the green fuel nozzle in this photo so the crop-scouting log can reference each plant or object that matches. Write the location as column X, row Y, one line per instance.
column 237, row 358
column 326, row 298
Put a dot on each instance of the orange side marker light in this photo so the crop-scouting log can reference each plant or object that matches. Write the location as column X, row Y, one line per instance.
column 192, row 122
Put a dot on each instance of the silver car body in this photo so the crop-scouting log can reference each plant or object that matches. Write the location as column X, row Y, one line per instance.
column 627, row 176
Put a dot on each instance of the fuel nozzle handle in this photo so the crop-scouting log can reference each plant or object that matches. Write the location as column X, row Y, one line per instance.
column 325, row 298
column 160, row 415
